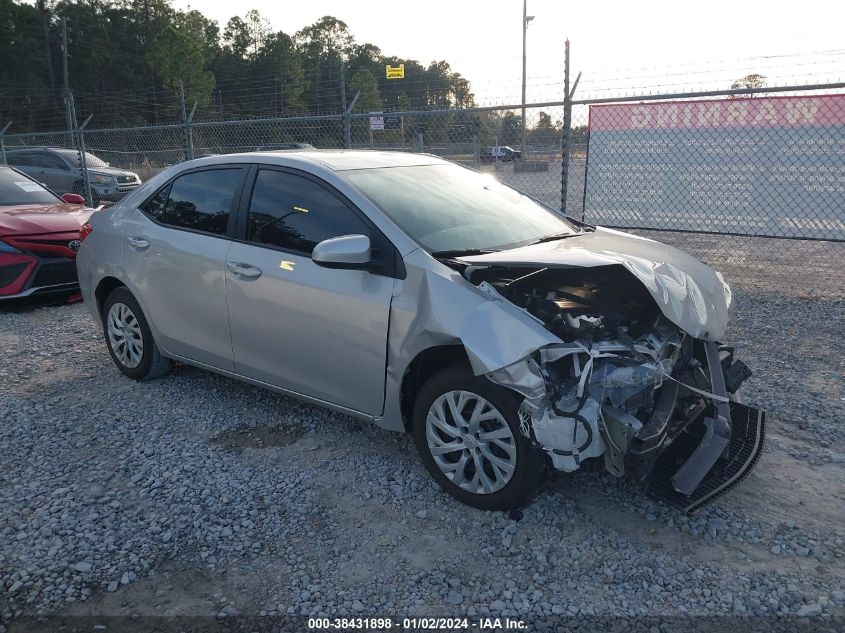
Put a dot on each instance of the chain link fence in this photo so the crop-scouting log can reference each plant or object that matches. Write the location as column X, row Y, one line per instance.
column 752, row 184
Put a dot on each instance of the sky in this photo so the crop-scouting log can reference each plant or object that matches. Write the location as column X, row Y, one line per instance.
column 620, row 47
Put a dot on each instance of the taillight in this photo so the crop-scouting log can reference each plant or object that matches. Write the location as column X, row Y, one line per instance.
column 85, row 231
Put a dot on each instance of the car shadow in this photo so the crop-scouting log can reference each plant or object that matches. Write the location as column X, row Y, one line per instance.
column 28, row 304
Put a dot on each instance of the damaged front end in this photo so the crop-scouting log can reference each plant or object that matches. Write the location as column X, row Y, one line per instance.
column 626, row 384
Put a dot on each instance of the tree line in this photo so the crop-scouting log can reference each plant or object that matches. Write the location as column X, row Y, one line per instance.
column 126, row 59
column 143, row 62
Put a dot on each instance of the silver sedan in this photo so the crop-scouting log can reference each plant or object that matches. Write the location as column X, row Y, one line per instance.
column 509, row 340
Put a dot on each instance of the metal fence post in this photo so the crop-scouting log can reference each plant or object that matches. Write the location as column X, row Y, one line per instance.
column 347, row 121
column 189, row 133
column 3, row 143
column 567, row 124
column 188, row 136
column 83, row 162
column 184, row 116
column 567, row 129
column 347, row 130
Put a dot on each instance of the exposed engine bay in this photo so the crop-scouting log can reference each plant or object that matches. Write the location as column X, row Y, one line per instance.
column 582, row 303
column 626, row 384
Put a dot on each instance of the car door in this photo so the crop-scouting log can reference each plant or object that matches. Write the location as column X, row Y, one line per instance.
column 56, row 173
column 321, row 332
column 175, row 257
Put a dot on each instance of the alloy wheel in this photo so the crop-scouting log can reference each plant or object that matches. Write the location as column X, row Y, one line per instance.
column 471, row 442
column 125, row 336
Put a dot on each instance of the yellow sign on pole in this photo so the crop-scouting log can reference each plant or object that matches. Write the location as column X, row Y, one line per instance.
column 395, row 72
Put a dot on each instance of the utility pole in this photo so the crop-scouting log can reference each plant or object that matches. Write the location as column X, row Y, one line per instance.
column 74, row 131
column 525, row 20
column 182, row 100
column 66, row 96
column 64, row 53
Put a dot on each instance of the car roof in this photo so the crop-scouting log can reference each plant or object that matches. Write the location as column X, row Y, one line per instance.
column 36, row 148
column 333, row 159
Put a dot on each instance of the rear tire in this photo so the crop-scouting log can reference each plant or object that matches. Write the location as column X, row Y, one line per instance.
column 485, row 433
column 129, row 339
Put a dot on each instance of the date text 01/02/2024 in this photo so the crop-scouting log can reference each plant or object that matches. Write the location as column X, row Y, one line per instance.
column 415, row 624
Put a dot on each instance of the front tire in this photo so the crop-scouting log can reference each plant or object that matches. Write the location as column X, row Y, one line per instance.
column 129, row 339
column 466, row 430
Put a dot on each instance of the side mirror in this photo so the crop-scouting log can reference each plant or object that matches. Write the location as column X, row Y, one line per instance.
column 73, row 198
column 346, row 251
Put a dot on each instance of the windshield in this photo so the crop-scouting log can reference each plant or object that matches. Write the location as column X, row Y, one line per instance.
column 16, row 188
column 90, row 160
column 451, row 208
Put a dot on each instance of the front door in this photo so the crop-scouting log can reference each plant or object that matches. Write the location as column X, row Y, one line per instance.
column 175, row 260
column 318, row 331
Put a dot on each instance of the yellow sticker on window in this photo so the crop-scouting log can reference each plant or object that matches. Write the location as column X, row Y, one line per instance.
column 300, row 209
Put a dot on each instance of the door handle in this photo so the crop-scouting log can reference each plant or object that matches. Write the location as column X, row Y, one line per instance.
column 244, row 270
column 138, row 243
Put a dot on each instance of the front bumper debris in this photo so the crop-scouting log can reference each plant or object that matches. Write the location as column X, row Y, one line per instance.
column 656, row 408
column 747, row 431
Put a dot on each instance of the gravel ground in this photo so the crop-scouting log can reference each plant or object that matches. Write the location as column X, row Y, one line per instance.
column 199, row 495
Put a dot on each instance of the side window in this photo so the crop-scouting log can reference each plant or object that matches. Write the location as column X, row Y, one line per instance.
column 20, row 158
column 40, row 160
column 154, row 207
column 296, row 213
column 51, row 161
column 200, row 201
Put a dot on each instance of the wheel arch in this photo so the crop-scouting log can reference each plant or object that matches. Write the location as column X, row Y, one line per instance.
column 104, row 289
column 424, row 365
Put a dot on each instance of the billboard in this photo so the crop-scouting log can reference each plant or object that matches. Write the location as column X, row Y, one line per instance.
column 771, row 166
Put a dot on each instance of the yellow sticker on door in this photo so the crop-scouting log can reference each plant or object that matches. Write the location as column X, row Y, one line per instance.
column 287, row 265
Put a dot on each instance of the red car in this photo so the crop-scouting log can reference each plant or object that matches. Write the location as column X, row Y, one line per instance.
column 39, row 237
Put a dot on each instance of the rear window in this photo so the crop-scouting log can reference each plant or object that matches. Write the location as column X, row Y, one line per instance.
column 16, row 189
column 199, row 201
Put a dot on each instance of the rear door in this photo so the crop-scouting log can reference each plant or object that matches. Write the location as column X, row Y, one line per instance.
column 175, row 260
column 321, row 332
column 56, row 173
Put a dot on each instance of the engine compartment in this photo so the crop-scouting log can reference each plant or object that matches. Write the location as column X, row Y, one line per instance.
column 576, row 304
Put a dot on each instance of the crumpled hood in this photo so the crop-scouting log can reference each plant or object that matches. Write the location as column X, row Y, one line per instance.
column 689, row 293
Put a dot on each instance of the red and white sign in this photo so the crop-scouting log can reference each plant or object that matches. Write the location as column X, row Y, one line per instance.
column 721, row 113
